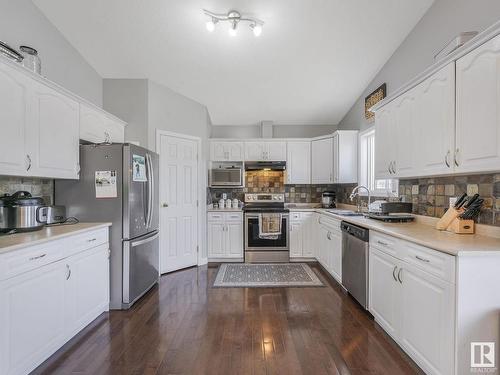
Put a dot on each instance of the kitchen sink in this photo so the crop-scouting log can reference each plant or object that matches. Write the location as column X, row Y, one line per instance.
column 344, row 212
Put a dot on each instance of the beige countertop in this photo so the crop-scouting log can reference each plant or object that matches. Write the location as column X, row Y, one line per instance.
column 426, row 235
column 22, row 240
column 211, row 209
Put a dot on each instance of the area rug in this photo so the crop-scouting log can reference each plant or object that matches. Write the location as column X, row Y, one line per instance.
column 257, row 275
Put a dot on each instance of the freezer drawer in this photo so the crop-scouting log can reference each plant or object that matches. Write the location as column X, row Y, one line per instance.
column 140, row 266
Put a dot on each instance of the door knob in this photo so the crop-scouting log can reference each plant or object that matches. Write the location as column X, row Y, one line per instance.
column 164, row 205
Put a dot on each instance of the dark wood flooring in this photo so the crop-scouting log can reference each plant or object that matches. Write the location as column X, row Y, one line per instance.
column 184, row 326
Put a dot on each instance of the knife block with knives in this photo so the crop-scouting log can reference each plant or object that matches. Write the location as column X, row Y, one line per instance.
column 460, row 218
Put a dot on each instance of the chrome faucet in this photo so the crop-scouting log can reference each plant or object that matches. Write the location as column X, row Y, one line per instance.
column 355, row 192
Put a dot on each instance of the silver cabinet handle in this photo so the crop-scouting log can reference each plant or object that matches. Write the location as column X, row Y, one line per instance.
column 400, row 274
column 38, row 257
column 422, row 259
column 446, row 159
column 456, row 157
column 382, row 243
column 329, row 236
column 164, row 205
column 107, row 137
column 389, row 168
column 394, row 273
column 92, row 240
column 394, row 167
column 29, row 162
column 68, row 275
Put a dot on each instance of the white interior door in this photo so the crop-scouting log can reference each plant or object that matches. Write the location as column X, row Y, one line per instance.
column 178, row 197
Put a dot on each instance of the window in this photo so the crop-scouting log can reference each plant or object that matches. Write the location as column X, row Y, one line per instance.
column 380, row 188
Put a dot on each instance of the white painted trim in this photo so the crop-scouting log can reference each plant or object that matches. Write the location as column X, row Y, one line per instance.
column 202, row 187
column 472, row 44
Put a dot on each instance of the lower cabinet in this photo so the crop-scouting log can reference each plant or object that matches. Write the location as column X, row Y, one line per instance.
column 225, row 235
column 329, row 244
column 301, row 225
column 416, row 308
column 45, row 307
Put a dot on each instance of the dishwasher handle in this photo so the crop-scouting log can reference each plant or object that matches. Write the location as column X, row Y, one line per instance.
column 356, row 231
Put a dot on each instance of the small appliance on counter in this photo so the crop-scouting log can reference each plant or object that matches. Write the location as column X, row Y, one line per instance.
column 328, row 199
column 21, row 212
column 394, row 212
column 460, row 217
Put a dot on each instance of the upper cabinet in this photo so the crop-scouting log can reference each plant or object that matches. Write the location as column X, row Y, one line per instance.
column 298, row 162
column 478, row 102
column 226, row 151
column 42, row 124
column 97, row 126
column 447, row 123
column 265, row 151
column 40, row 128
column 335, row 159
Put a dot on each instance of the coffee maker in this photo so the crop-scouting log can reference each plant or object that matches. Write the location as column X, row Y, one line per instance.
column 328, row 199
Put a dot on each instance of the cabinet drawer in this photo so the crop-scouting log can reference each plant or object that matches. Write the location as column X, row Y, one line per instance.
column 233, row 216
column 384, row 243
column 432, row 261
column 215, row 216
column 295, row 216
column 329, row 222
column 86, row 241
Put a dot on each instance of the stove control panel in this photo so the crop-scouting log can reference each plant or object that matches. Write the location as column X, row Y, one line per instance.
column 263, row 197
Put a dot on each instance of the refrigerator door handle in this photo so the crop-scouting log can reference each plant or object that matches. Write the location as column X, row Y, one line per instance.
column 146, row 240
column 149, row 216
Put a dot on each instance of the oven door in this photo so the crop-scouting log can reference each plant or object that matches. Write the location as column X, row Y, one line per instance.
column 225, row 177
column 254, row 243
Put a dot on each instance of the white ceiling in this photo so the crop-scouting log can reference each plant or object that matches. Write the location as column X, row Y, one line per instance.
column 311, row 63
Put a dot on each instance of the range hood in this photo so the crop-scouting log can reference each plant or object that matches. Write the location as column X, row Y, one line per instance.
column 265, row 165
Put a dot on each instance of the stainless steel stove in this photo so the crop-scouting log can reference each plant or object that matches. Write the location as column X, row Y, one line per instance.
column 257, row 248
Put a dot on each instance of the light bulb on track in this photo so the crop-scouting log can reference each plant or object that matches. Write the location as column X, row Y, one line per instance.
column 210, row 25
column 233, row 30
column 257, row 30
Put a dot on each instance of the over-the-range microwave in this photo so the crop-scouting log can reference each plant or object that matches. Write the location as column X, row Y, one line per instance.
column 226, row 175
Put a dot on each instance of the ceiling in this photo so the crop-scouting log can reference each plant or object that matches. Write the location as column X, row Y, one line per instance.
column 312, row 61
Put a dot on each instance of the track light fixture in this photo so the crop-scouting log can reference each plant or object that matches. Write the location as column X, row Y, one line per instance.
column 234, row 18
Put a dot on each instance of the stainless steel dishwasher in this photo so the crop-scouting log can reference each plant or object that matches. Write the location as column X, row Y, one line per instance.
column 355, row 261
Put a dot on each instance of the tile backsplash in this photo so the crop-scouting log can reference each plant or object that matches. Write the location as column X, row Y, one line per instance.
column 38, row 187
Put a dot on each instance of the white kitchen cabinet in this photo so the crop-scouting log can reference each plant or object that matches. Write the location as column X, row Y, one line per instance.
column 335, row 251
column 225, row 235
column 477, row 101
column 226, row 151
column 97, row 126
column 53, row 134
column 384, row 290
column 435, row 124
column 322, row 161
column 427, row 326
column 298, row 162
column 384, row 145
column 40, row 132
column 49, row 292
column 345, row 156
column 329, row 244
column 265, row 151
column 296, row 239
column 300, row 235
column 403, row 137
column 14, row 96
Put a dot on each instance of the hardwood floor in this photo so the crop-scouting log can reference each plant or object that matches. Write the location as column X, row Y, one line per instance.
column 185, row 326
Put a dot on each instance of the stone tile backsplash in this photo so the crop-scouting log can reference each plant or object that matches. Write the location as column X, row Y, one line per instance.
column 36, row 186
column 431, row 196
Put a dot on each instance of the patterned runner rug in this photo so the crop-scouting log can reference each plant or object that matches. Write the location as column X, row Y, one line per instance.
column 257, row 275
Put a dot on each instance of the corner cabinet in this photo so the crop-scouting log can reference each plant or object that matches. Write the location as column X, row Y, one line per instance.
column 225, row 236
column 49, row 293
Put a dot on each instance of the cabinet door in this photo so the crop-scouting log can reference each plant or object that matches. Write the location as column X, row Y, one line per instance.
column 308, row 236
column 323, row 243
column 92, row 125
column 403, row 138
column 218, row 151
column 88, row 286
column 435, row 123
column 298, row 162
column 216, row 233
column 14, row 96
column 384, row 143
column 322, row 161
column 384, row 290
column 116, row 130
column 32, row 318
column 335, row 250
column 427, row 320
column 234, row 240
column 296, row 240
column 53, row 134
column 275, row 151
column 235, row 151
column 477, row 119
column 255, row 151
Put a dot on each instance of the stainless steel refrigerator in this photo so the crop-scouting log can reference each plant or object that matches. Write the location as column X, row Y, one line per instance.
column 119, row 184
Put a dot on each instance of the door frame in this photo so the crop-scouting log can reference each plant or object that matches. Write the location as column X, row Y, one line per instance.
column 202, row 188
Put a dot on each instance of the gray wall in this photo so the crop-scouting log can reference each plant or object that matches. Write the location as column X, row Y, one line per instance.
column 21, row 23
column 444, row 20
column 279, row 131
column 128, row 100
